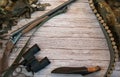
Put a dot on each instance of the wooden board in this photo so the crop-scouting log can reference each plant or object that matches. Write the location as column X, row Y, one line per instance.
column 70, row 39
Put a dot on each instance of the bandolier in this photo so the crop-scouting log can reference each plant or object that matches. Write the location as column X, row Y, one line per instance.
column 108, row 14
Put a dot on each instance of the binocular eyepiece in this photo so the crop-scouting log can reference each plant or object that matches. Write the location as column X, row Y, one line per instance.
column 31, row 63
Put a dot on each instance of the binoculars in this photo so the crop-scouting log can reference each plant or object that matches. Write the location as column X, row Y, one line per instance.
column 31, row 63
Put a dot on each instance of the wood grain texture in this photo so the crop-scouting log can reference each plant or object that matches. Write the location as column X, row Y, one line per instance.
column 70, row 39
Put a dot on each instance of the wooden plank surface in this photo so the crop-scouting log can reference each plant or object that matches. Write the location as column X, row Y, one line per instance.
column 70, row 39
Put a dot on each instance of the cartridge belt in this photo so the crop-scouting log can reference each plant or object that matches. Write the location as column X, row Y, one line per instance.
column 109, row 37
